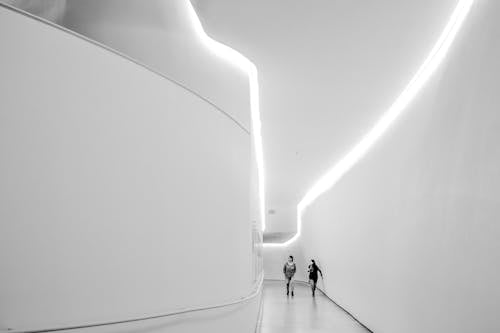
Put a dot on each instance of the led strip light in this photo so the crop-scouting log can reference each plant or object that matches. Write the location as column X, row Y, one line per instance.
column 247, row 66
column 427, row 68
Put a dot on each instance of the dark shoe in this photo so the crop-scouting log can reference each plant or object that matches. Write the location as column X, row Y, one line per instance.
column 292, row 293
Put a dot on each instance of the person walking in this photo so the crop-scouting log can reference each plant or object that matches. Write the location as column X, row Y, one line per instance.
column 313, row 275
column 289, row 270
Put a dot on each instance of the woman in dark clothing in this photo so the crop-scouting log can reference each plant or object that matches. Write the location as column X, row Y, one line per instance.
column 313, row 275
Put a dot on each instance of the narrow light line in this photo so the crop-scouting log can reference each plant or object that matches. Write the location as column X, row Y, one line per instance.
column 428, row 67
column 240, row 61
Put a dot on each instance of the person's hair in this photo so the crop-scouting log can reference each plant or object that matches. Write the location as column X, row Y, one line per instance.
column 313, row 261
column 291, row 257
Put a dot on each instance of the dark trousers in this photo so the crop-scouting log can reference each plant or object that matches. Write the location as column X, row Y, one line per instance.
column 289, row 284
column 313, row 283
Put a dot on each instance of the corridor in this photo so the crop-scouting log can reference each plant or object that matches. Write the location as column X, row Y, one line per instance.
column 159, row 160
column 302, row 313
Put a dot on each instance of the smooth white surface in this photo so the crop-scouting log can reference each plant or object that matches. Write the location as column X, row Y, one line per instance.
column 275, row 258
column 417, row 82
column 237, row 59
column 408, row 240
column 52, row 10
column 302, row 313
column 327, row 72
column 168, row 37
column 118, row 189
column 164, row 36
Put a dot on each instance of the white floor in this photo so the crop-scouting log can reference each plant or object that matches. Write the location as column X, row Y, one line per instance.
column 302, row 313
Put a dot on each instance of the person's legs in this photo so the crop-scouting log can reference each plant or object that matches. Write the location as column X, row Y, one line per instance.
column 313, row 286
column 287, row 286
column 292, row 284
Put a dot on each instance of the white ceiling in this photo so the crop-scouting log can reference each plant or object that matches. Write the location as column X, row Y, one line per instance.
column 327, row 70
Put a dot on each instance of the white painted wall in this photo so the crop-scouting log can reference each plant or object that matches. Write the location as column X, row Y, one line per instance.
column 118, row 191
column 327, row 70
column 160, row 34
column 283, row 219
column 408, row 239
column 275, row 258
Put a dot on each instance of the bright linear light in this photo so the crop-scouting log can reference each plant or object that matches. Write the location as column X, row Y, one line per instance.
column 240, row 61
column 428, row 67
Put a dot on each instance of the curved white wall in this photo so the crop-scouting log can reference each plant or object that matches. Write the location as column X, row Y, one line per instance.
column 162, row 35
column 118, row 191
column 408, row 239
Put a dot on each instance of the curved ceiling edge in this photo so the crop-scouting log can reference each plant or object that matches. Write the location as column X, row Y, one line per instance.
column 425, row 71
column 125, row 56
column 237, row 59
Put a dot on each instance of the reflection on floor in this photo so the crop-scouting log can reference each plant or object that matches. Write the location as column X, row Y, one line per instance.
column 302, row 313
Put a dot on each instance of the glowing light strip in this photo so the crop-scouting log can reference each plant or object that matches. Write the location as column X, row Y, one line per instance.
column 240, row 61
column 428, row 67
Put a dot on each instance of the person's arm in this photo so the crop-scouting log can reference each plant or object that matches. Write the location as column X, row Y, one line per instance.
column 320, row 272
column 284, row 269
